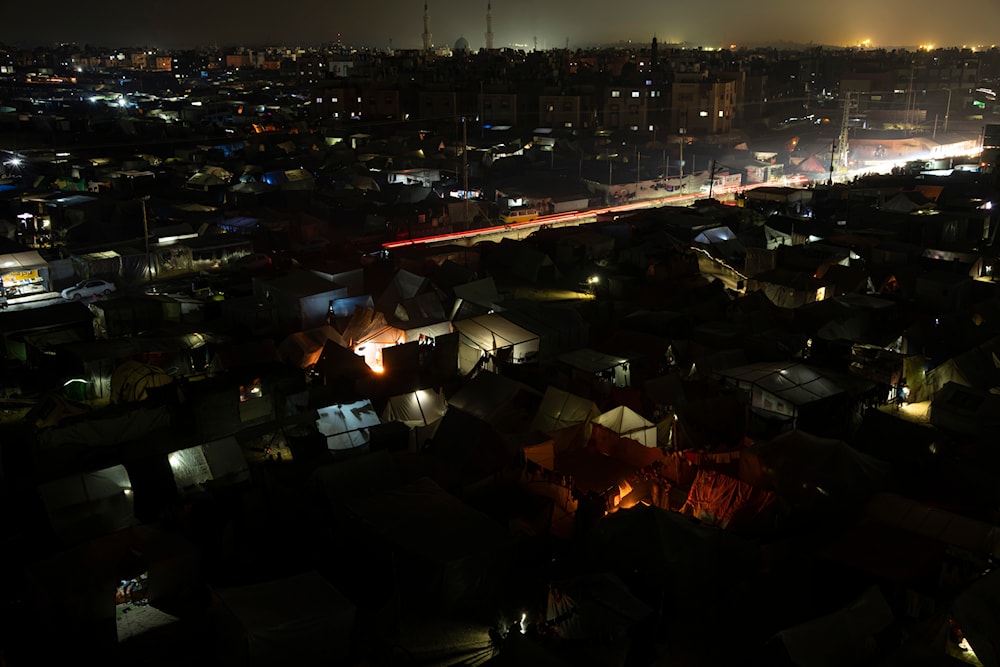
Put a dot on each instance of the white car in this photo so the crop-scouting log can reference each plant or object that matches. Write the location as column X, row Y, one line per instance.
column 88, row 288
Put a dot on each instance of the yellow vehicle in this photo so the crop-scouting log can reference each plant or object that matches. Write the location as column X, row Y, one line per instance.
column 524, row 214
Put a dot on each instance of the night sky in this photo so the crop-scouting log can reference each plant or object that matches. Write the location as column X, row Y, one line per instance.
column 186, row 23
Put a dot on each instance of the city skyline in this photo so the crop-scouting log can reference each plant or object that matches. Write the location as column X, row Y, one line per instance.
column 516, row 23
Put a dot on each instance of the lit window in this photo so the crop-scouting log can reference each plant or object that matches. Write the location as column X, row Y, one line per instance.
column 703, row 114
column 249, row 392
column 616, row 93
column 319, row 100
column 635, row 93
column 334, row 100
column 720, row 113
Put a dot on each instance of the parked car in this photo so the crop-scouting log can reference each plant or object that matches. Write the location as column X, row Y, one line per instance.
column 88, row 288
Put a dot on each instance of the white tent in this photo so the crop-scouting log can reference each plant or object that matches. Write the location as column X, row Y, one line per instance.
column 491, row 334
column 560, row 409
column 628, row 424
column 219, row 461
column 420, row 410
column 89, row 504
column 346, row 425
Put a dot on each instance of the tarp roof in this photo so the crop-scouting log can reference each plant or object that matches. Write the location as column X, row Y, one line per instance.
column 220, row 461
column 591, row 361
column 796, row 383
column 628, row 424
column 492, row 332
column 346, row 425
column 561, row 409
column 17, row 261
column 802, row 467
column 89, row 504
column 303, row 348
column 416, row 408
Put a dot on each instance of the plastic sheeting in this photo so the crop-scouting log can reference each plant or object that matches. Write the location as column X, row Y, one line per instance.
column 628, row 424
column 89, row 504
column 303, row 349
column 560, row 409
column 719, row 500
column 491, row 333
column 346, row 425
column 417, row 408
column 217, row 461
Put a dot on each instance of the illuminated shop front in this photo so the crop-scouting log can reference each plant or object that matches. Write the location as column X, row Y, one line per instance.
column 23, row 272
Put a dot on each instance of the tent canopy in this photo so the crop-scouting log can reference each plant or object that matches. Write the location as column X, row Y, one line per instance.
column 346, row 425
column 561, row 409
column 417, row 408
column 220, row 461
column 493, row 332
column 627, row 423
column 89, row 504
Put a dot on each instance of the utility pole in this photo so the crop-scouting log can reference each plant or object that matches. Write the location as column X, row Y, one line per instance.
column 711, row 179
column 681, row 166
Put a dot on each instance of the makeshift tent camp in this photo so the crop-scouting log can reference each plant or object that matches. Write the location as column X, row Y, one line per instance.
column 210, row 464
column 453, row 554
column 566, row 417
column 89, row 504
column 626, row 423
column 496, row 337
column 346, row 425
column 420, row 410
column 805, row 468
column 298, row 620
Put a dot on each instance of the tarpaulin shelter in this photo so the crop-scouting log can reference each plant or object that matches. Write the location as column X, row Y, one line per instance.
column 781, row 388
column 566, row 417
column 404, row 285
column 505, row 404
column 89, row 504
column 477, row 297
column 346, row 426
column 303, row 348
column 421, row 411
column 719, row 500
column 626, row 423
column 495, row 337
column 211, row 464
column 298, row 620
column 453, row 554
column 978, row 538
column 367, row 333
column 590, row 363
column 134, row 381
column 805, row 468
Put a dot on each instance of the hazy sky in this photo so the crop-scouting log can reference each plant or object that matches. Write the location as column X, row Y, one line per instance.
column 181, row 23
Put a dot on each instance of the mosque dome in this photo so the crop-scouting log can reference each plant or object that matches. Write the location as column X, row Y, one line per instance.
column 461, row 44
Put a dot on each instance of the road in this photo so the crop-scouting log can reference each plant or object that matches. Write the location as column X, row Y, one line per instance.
column 521, row 230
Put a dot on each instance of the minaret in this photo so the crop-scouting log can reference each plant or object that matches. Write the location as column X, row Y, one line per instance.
column 653, row 54
column 489, row 25
column 427, row 28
